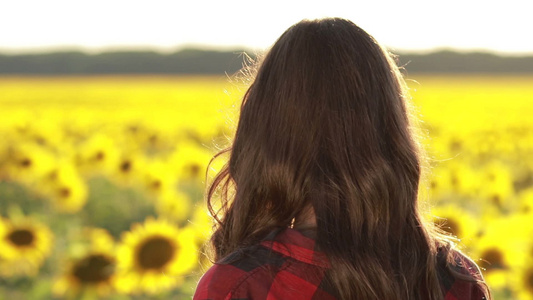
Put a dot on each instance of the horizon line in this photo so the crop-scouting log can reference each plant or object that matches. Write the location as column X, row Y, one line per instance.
column 229, row 48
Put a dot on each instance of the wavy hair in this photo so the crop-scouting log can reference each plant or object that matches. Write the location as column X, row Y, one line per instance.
column 326, row 124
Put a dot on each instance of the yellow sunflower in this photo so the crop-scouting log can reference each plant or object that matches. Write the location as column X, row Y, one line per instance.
column 202, row 224
column 526, row 201
column 65, row 188
column 463, row 179
column 457, row 222
column 494, row 260
column 439, row 146
column 128, row 170
column 501, row 248
column 173, row 204
column 523, row 276
column 153, row 256
column 158, row 178
column 28, row 162
column 97, row 155
column 136, row 133
column 497, row 185
column 92, row 270
column 4, row 156
column 158, row 137
column 524, row 283
column 191, row 161
column 24, row 245
column 439, row 182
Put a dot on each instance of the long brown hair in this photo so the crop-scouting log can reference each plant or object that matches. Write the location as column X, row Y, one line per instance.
column 326, row 123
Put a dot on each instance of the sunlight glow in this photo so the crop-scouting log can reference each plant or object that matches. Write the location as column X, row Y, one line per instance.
column 166, row 25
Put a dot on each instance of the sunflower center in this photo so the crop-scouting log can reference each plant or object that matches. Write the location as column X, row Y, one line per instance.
column 453, row 227
column 434, row 184
column 156, row 184
column 26, row 163
column 455, row 181
column 492, row 259
column 21, row 237
column 100, row 155
column 155, row 253
column 456, row 145
column 496, row 200
column 52, row 175
column 528, row 280
column 195, row 170
column 450, row 226
column 93, row 269
column 64, row 192
column 125, row 166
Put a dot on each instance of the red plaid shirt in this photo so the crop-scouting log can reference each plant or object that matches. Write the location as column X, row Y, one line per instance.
column 286, row 266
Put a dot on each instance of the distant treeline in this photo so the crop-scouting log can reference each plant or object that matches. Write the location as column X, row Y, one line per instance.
column 194, row 61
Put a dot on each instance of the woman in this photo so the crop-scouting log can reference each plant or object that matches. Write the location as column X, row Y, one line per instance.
column 319, row 198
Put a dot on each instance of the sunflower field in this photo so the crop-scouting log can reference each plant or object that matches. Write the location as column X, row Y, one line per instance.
column 102, row 179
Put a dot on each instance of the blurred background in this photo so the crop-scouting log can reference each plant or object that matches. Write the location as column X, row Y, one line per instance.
column 111, row 111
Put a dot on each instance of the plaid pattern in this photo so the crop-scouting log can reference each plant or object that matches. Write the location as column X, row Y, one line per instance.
column 286, row 266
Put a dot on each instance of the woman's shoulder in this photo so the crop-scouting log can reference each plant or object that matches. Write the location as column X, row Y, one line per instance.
column 465, row 265
column 459, row 263
column 460, row 277
column 228, row 278
column 267, row 270
column 257, row 274
column 218, row 282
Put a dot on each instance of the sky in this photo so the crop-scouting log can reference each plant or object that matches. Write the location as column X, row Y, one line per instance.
column 409, row 25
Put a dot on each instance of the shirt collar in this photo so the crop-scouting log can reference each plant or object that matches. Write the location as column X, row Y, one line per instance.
column 297, row 244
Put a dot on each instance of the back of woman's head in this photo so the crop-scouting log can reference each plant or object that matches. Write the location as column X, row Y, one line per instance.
column 325, row 124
